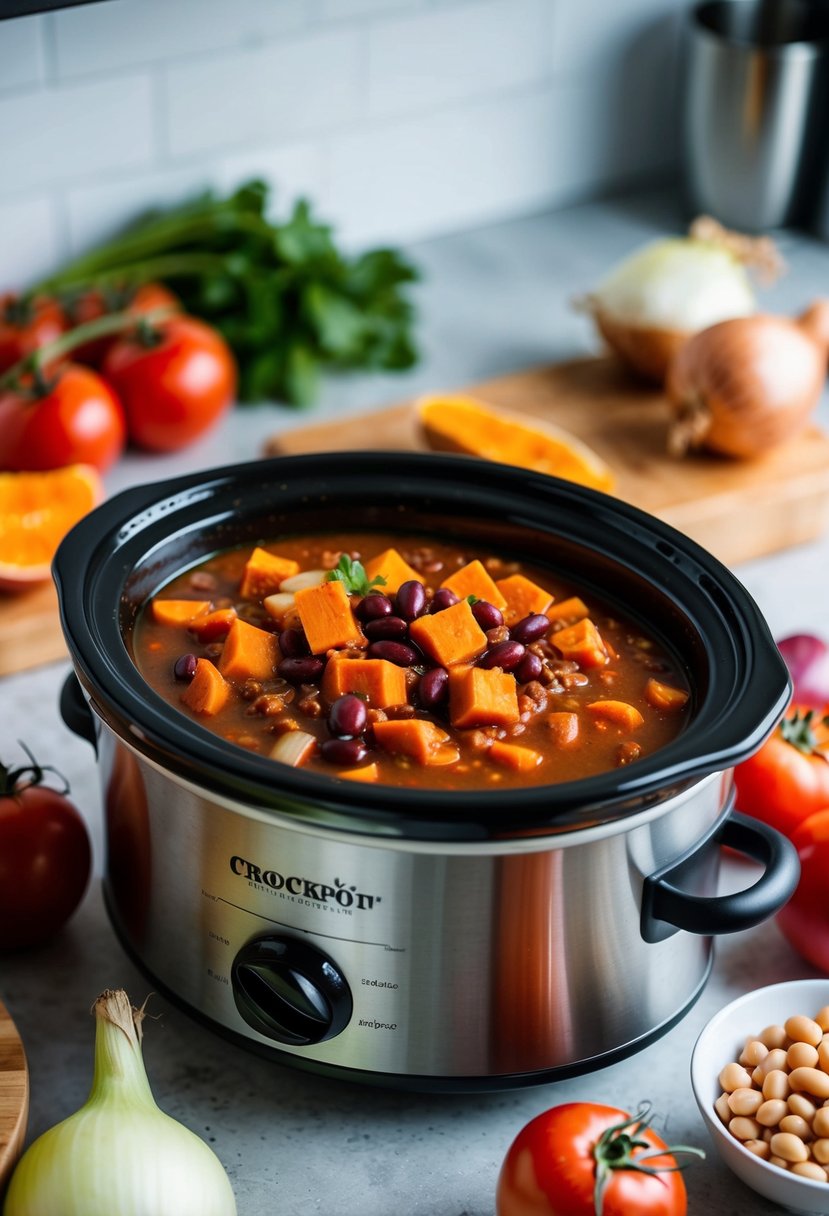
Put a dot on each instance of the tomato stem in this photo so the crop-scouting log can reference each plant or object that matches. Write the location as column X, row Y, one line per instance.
column 12, row 779
column 616, row 1150
column 799, row 731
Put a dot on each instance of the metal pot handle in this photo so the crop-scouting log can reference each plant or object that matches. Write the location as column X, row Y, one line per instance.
column 75, row 712
column 666, row 908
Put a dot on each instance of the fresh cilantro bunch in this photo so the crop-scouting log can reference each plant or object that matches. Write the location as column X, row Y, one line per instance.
column 352, row 574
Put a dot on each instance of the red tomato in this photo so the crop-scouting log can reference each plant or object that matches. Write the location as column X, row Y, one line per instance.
column 174, row 384
column 551, row 1166
column 93, row 304
column 26, row 326
column 44, row 858
column 804, row 920
column 788, row 778
column 78, row 420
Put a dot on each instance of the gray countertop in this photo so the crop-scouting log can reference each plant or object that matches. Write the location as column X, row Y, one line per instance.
column 491, row 301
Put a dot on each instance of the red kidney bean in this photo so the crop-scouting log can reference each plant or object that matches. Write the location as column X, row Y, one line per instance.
column 506, row 655
column 347, row 716
column 487, row 615
column 343, row 751
column 185, row 667
column 530, row 629
column 530, row 668
column 303, row 670
column 396, row 652
column 293, row 643
column 433, row 688
column 386, row 627
column 411, row 599
column 373, row 606
column 443, row 598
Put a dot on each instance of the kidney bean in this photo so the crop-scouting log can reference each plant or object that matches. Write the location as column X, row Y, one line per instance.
column 385, row 628
column 530, row 668
column 293, row 643
column 433, row 688
column 347, row 716
column 411, row 599
column 373, row 606
column 185, row 667
column 396, row 652
column 506, row 655
column 443, row 598
column 343, row 751
column 487, row 615
column 530, row 629
column 301, row 670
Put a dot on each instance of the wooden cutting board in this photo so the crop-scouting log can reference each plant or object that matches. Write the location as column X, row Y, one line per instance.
column 30, row 632
column 14, row 1095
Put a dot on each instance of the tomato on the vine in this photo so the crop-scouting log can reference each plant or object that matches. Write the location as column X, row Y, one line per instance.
column 174, row 378
column 97, row 303
column 788, row 778
column 582, row 1159
column 804, row 920
column 26, row 325
column 44, row 856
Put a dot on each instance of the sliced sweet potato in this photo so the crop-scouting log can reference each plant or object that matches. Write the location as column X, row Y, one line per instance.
column 664, row 696
column 449, row 637
column 510, row 755
column 368, row 773
column 178, row 612
column 617, row 713
column 264, row 572
column 249, row 653
column 473, row 579
column 326, row 616
column 423, row 741
column 208, row 691
column 482, row 697
column 380, row 682
column 390, row 566
column 582, row 643
column 522, row 597
column 572, row 609
column 564, row 728
column 213, row 626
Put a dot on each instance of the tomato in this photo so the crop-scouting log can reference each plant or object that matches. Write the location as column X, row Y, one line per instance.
column 551, row 1167
column 25, row 326
column 44, row 857
column 804, row 920
column 788, row 778
column 174, row 381
column 76, row 420
column 94, row 304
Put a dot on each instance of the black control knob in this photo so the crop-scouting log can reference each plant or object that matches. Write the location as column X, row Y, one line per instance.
column 290, row 991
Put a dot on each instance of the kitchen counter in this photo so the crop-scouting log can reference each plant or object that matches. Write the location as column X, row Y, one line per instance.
column 491, row 301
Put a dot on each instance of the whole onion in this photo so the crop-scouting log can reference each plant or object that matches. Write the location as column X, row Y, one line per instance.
column 807, row 658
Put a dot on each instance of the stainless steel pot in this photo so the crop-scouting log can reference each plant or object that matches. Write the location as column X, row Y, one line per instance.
column 401, row 936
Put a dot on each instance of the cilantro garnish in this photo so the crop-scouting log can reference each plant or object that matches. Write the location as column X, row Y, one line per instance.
column 353, row 576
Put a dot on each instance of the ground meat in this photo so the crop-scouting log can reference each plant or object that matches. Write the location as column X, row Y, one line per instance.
column 310, row 705
column 251, row 689
column 574, row 679
column 499, row 634
column 537, row 693
column 627, row 752
column 396, row 712
column 423, row 560
column 268, row 705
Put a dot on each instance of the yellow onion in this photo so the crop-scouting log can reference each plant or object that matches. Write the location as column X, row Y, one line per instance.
column 744, row 386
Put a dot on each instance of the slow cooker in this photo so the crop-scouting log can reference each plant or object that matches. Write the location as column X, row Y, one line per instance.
column 409, row 937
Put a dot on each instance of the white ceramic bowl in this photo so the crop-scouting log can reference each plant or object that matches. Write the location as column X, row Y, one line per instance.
column 722, row 1040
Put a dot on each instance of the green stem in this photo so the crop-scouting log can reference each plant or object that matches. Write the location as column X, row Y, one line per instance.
column 171, row 266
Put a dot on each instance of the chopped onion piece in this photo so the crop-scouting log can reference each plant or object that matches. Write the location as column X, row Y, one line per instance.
column 807, row 658
column 303, row 580
column 294, row 747
column 279, row 604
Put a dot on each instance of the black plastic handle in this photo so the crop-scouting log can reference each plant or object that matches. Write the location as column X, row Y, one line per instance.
column 666, row 908
column 75, row 712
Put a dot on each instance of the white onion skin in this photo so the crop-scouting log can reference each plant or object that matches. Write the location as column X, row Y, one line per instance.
column 744, row 386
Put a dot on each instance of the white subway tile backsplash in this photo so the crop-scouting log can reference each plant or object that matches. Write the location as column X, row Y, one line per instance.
column 21, row 52
column 344, row 10
column 29, row 244
column 271, row 94
column 591, row 35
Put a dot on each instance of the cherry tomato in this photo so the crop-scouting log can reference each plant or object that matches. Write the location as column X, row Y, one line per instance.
column 27, row 325
column 174, row 381
column 804, row 920
column 77, row 419
column 94, row 304
column 552, row 1166
column 788, row 778
column 44, row 857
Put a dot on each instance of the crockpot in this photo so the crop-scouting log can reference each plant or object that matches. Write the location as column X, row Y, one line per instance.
column 407, row 937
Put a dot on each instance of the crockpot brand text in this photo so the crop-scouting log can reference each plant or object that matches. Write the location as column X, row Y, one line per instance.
column 304, row 888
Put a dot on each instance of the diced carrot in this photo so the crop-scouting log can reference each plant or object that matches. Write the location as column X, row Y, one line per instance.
column 480, row 696
column 663, row 696
column 208, row 691
column 572, row 609
column 522, row 597
column 564, row 728
column 213, row 626
column 423, row 741
column 178, row 612
column 390, row 566
column 449, row 637
column 581, row 643
column 264, row 572
column 511, row 756
column 368, row 773
column 619, row 713
column 326, row 616
column 473, row 579
column 381, row 682
column 249, row 653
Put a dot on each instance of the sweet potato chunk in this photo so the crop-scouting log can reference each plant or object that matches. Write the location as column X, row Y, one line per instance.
column 511, row 756
column 326, row 616
column 381, row 682
column 573, row 609
column 178, row 612
column 582, row 643
column 663, row 696
column 249, row 653
column 564, row 728
column 208, row 691
column 618, row 713
column 368, row 773
column 473, row 579
column 264, row 572
column 449, row 637
column 390, row 566
column 523, row 597
column 423, row 741
column 482, row 697
column 213, row 626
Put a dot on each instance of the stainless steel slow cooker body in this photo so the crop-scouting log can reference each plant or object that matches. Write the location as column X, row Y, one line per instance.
column 409, row 937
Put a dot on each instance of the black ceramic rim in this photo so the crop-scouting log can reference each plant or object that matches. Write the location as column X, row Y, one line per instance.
column 119, row 555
